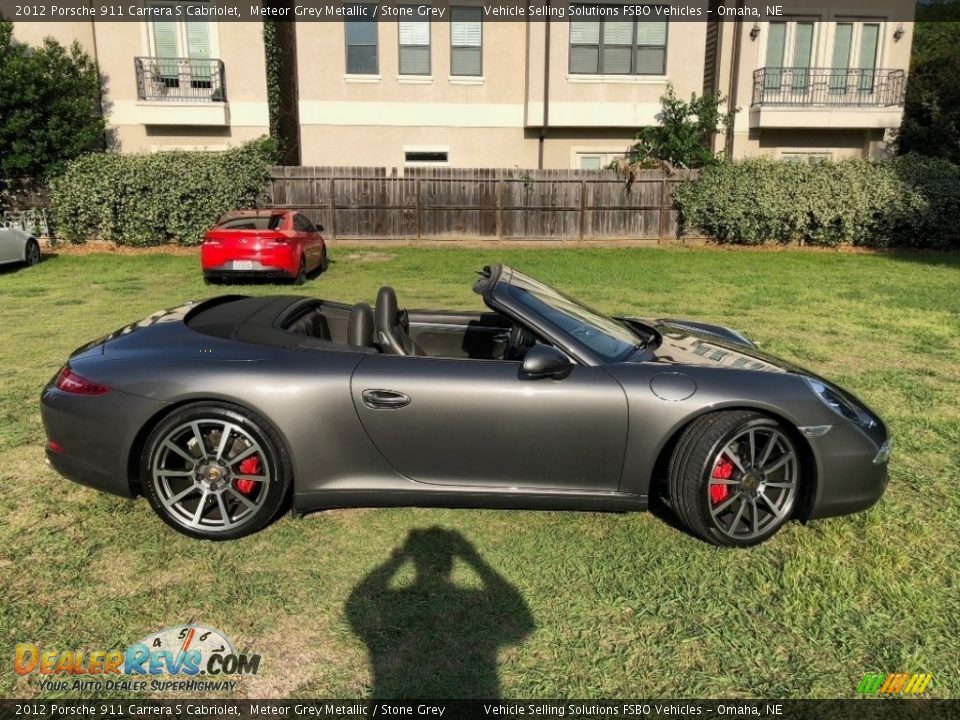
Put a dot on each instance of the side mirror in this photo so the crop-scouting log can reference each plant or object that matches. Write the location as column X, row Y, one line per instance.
column 319, row 227
column 543, row 361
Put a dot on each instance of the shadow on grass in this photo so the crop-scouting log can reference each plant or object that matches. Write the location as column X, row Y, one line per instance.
column 927, row 257
column 661, row 510
column 263, row 279
column 14, row 267
column 436, row 638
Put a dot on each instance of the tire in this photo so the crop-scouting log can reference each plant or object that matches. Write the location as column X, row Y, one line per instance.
column 325, row 263
column 728, row 484
column 31, row 253
column 301, row 277
column 219, row 493
column 210, row 280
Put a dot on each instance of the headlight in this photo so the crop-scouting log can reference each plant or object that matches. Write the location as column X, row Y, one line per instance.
column 841, row 405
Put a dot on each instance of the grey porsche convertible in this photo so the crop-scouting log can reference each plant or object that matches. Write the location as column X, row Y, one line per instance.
column 227, row 412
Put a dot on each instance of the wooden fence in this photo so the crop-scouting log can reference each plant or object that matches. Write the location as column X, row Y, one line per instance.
column 452, row 203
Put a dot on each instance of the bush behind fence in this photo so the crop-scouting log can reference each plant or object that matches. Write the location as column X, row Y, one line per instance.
column 908, row 201
column 175, row 196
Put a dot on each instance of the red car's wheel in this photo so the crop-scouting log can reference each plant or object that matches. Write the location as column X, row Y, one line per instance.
column 301, row 277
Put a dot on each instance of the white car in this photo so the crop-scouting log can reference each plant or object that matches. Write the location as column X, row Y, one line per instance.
column 18, row 246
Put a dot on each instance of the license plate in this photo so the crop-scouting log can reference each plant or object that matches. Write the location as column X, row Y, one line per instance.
column 243, row 265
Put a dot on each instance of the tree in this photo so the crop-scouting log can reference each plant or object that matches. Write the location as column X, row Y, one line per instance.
column 931, row 121
column 685, row 134
column 49, row 108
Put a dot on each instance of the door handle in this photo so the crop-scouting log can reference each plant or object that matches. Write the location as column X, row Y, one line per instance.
column 380, row 399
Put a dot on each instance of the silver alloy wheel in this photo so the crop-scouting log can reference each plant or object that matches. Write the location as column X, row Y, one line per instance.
column 753, row 482
column 199, row 477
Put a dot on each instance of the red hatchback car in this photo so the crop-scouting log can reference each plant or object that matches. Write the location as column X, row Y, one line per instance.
column 265, row 243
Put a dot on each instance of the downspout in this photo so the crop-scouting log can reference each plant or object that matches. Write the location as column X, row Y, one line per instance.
column 546, row 88
column 734, row 79
column 96, row 66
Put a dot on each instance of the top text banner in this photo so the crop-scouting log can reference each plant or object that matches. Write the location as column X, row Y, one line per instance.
column 493, row 11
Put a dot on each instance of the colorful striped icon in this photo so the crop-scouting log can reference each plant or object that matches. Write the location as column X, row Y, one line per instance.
column 894, row 683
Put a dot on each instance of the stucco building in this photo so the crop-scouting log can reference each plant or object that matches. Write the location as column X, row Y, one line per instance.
column 470, row 92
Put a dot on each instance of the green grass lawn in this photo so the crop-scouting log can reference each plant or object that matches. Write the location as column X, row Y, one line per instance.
column 583, row 604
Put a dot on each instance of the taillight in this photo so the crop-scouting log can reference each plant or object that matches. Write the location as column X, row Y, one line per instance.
column 70, row 382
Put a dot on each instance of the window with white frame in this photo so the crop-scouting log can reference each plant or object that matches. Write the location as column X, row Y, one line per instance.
column 596, row 160
column 790, row 44
column 618, row 47
column 362, row 38
column 466, row 41
column 414, row 43
column 182, row 60
column 856, row 48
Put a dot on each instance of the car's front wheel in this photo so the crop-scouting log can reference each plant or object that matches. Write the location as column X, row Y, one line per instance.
column 215, row 471
column 734, row 478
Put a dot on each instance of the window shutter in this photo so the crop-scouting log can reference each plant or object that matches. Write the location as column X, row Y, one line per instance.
column 466, row 27
column 414, row 60
column 618, row 33
column 616, row 59
column 584, row 59
column 650, row 61
column 165, row 39
column 465, row 61
column 651, row 33
column 414, row 32
column 198, row 39
column 585, row 32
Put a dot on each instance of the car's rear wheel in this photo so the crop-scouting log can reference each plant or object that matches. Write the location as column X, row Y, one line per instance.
column 32, row 253
column 734, row 478
column 215, row 471
column 301, row 277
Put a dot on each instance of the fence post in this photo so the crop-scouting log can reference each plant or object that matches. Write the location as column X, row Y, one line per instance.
column 499, row 208
column 333, row 207
column 664, row 194
column 419, row 207
column 583, row 207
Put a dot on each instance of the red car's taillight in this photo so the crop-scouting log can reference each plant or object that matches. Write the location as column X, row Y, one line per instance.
column 70, row 382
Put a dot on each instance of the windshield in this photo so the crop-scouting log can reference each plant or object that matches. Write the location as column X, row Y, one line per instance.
column 607, row 338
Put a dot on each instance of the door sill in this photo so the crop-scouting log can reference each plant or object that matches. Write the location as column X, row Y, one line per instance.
column 495, row 500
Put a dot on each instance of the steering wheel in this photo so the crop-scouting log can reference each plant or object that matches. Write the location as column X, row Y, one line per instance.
column 519, row 341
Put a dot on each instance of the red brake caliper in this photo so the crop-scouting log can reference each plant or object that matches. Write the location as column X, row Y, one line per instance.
column 248, row 466
column 723, row 470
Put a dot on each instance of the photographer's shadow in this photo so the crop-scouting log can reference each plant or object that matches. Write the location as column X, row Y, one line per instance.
column 435, row 638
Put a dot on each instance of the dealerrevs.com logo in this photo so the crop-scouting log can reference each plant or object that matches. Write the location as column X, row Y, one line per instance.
column 187, row 658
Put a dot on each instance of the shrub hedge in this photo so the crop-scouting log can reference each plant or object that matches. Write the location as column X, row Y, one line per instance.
column 151, row 199
column 905, row 201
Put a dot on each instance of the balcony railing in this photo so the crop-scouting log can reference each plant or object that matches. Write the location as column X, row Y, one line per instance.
column 180, row 79
column 828, row 87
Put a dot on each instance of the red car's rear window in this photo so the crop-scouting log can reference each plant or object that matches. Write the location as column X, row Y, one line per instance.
column 265, row 222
